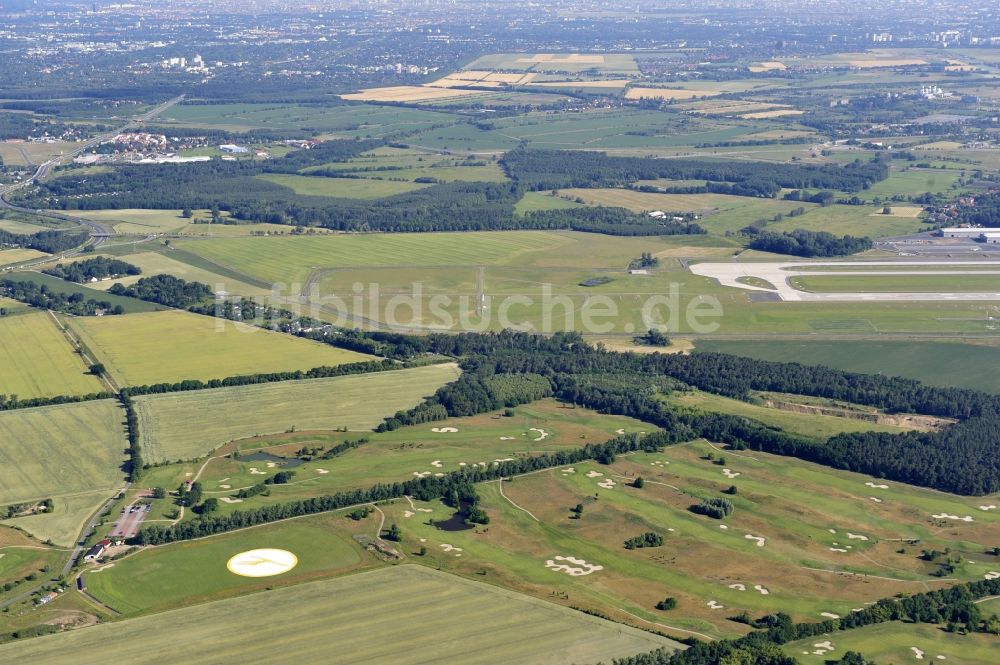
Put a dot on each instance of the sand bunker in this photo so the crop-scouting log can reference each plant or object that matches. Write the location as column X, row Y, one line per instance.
column 875, row 499
column 992, row 575
column 229, row 499
column 723, row 526
column 946, row 516
column 542, row 434
column 989, row 507
column 837, row 549
column 224, row 480
column 322, row 471
column 254, row 471
column 878, row 487
column 917, row 653
column 225, row 487
column 262, row 562
column 507, row 438
column 569, row 470
column 578, row 568
column 451, row 548
column 607, row 484
column 829, row 615
column 444, row 430
column 854, row 536
column 730, row 474
column 271, row 465
column 439, row 475
column 620, row 431
column 659, row 463
column 759, row 539
column 714, row 605
column 761, row 589
column 504, row 459
column 594, row 474
column 421, row 474
column 833, row 531
column 437, row 463
column 408, row 513
column 738, row 587
column 822, row 648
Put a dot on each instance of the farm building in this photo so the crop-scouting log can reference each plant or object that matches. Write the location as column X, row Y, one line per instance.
column 960, row 232
column 95, row 552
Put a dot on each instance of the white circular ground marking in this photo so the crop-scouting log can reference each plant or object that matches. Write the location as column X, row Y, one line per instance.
column 262, row 563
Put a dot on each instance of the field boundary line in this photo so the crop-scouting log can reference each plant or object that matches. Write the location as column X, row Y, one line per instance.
column 511, row 501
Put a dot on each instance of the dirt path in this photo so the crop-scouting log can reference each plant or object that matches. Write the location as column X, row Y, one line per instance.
column 511, row 501
column 663, row 625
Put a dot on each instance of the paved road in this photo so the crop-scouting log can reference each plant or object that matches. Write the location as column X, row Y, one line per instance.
column 99, row 232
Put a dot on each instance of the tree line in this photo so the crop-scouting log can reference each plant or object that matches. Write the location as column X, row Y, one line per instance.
column 50, row 242
column 558, row 169
column 808, row 244
column 43, row 297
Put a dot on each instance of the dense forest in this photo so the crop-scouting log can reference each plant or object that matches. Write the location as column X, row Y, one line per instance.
column 557, row 169
column 808, row 244
column 50, row 242
column 97, row 268
column 165, row 290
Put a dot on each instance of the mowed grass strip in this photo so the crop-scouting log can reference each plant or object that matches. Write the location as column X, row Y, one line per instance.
column 59, row 450
column 192, row 424
column 898, row 283
column 38, row 361
column 172, row 346
column 404, row 615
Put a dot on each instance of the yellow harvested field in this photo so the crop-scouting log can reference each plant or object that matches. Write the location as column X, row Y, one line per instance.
column 777, row 113
column 14, row 256
column 940, row 145
column 38, row 361
column 725, row 107
column 668, row 93
column 767, row 66
column 910, row 212
column 616, row 83
column 481, row 78
column 157, row 347
column 560, row 59
column 407, row 93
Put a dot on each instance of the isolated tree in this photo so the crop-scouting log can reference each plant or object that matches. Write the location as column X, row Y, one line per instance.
column 97, row 369
column 159, row 493
column 187, row 213
column 210, row 506
column 393, row 533
column 638, row 482
column 667, row 604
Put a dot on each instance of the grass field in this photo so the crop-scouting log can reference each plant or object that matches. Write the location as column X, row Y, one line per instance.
column 532, row 201
column 351, row 188
column 913, row 181
column 404, row 164
column 38, row 361
column 967, row 365
column 605, row 63
column 353, row 120
column 719, row 212
column 162, row 263
column 72, row 453
column 291, row 260
column 10, row 257
column 31, row 154
column 137, row 221
column 416, row 623
column 889, row 283
column 809, row 425
column 172, row 346
column 189, row 425
column 892, row 644
column 185, row 573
